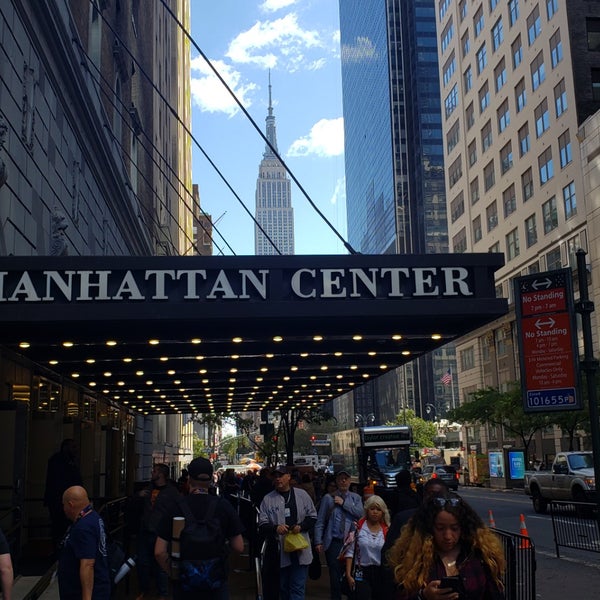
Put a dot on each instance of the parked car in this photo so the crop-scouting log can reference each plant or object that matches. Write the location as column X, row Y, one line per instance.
column 447, row 473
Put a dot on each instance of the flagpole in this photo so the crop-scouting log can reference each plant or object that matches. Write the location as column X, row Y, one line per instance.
column 452, row 386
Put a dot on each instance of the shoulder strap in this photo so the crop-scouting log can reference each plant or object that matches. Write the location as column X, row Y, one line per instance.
column 187, row 511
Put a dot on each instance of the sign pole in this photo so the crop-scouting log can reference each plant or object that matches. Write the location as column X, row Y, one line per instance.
column 585, row 307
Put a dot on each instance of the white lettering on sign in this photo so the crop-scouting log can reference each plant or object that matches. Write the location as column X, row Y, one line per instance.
column 235, row 284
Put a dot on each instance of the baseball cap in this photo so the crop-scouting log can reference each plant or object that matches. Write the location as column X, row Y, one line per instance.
column 342, row 472
column 200, row 468
column 280, row 469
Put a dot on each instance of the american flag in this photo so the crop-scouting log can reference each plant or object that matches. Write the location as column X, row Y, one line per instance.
column 447, row 377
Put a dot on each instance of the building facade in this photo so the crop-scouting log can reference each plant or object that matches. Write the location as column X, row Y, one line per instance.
column 274, row 213
column 518, row 79
column 395, row 191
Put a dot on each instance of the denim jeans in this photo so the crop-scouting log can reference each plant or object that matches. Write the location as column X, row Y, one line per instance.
column 335, row 568
column 292, row 580
column 147, row 567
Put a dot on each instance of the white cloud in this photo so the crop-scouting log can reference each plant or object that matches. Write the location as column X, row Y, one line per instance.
column 326, row 138
column 267, row 43
column 362, row 51
column 209, row 94
column 274, row 5
column 339, row 194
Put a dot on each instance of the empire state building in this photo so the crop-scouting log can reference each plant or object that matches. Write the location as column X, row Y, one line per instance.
column 274, row 212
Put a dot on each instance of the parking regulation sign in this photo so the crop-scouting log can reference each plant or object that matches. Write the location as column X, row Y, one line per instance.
column 547, row 341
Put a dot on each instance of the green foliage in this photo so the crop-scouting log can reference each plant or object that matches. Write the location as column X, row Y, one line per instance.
column 424, row 432
column 198, row 448
column 290, row 419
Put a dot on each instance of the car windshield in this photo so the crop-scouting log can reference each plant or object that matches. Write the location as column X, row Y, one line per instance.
column 581, row 461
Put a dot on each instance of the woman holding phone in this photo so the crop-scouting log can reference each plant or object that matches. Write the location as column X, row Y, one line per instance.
column 446, row 552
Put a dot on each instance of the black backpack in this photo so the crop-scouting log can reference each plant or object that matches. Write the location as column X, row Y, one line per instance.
column 203, row 549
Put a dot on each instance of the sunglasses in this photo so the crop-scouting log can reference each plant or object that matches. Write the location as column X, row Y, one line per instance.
column 443, row 502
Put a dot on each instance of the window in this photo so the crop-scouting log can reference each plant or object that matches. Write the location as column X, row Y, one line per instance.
column 512, row 244
column 474, row 190
column 478, row 21
column 596, row 85
column 524, row 140
column 534, row 25
column 465, row 44
column 550, row 215
column 455, row 172
column 517, row 52
column 509, row 200
column 520, row 95
column 556, row 51
column 467, row 359
column 542, row 118
column 493, row 4
column 444, row 5
column 477, row 234
column 506, row 158
column 553, row 259
column 503, row 115
column 538, row 71
column 491, row 215
column 486, row 136
column 449, row 69
column 513, row 11
column 546, row 168
column 472, row 151
column 564, row 147
column 493, row 249
column 481, row 59
column 489, row 176
column 497, row 34
column 463, row 9
column 551, row 8
column 570, row 201
column 560, row 98
column 530, row 231
column 592, row 26
column 470, row 115
column 451, row 101
column 459, row 241
column 468, row 79
column 500, row 75
column 447, row 35
column 457, row 207
column 484, row 97
column 453, row 137
column 527, row 184
column 533, row 268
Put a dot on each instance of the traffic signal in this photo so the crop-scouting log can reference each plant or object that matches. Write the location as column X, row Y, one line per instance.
column 274, row 439
column 313, row 438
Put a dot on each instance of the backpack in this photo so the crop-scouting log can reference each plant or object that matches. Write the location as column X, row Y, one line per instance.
column 203, row 549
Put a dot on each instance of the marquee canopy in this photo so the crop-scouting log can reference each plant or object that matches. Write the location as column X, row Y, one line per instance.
column 186, row 334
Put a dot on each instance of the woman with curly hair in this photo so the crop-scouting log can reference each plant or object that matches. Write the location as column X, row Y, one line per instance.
column 364, row 573
column 446, row 538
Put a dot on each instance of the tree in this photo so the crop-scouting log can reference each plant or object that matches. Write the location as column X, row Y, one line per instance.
column 290, row 419
column 424, row 432
column 198, row 447
column 490, row 406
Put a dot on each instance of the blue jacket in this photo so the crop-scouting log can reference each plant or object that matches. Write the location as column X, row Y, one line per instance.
column 353, row 510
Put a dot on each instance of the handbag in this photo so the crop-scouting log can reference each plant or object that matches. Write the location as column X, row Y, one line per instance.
column 348, row 541
column 293, row 542
column 344, row 584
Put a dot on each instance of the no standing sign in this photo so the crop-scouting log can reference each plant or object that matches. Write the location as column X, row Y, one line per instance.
column 547, row 341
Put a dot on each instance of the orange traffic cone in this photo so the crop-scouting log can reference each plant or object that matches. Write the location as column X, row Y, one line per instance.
column 491, row 518
column 525, row 543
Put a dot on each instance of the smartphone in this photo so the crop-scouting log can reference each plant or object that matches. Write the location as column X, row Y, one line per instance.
column 451, row 582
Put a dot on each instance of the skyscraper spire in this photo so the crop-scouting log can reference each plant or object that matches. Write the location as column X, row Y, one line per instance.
column 271, row 131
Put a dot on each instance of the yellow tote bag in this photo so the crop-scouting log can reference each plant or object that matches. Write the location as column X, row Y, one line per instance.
column 293, row 542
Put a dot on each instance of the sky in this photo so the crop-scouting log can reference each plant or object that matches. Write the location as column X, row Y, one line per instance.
column 298, row 41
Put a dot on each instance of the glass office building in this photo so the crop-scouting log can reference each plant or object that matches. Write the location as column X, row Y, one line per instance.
column 395, row 189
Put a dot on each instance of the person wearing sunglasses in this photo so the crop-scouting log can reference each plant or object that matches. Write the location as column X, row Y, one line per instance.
column 446, row 552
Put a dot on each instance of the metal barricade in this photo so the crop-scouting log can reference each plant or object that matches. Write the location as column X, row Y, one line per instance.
column 575, row 525
column 519, row 553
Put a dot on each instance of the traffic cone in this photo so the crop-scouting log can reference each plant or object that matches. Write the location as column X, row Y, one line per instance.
column 491, row 518
column 525, row 543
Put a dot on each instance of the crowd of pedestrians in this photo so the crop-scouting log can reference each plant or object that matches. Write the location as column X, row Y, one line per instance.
column 405, row 544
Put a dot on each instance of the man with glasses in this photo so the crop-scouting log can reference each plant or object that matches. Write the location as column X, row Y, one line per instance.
column 337, row 513
column 288, row 510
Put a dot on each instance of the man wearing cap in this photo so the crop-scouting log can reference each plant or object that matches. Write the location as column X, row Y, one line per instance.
column 288, row 509
column 337, row 513
column 200, row 477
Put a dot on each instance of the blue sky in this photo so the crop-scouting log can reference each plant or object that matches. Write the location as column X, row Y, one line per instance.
column 298, row 40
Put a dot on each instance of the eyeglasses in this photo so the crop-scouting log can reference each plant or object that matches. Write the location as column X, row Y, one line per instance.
column 443, row 502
